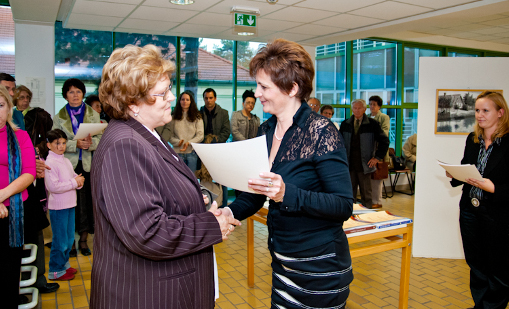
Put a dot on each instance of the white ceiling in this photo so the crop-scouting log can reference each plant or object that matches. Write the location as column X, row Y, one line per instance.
column 465, row 23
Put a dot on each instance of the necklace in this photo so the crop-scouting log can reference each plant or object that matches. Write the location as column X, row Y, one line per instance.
column 275, row 135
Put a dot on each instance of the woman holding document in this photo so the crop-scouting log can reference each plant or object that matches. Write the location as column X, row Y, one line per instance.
column 153, row 246
column 79, row 152
column 308, row 185
column 484, row 211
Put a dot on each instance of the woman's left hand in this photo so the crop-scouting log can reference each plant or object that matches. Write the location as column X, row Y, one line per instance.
column 4, row 213
column 205, row 199
column 484, row 184
column 272, row 185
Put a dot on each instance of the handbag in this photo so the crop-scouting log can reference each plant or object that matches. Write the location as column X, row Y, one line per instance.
column 381, row 172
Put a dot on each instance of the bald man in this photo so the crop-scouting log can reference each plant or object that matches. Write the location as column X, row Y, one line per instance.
column 314, row 103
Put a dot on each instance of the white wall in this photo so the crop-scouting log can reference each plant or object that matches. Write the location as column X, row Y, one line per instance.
column 436, row 229
column 35, row 58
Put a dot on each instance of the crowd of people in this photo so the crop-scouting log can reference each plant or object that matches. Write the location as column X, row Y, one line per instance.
column 134, row 185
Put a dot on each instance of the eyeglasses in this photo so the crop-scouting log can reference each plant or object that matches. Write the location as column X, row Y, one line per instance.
column 165, row 95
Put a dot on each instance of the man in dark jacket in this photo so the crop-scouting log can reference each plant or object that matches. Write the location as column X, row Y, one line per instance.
column 216, row 121
column 366, row 144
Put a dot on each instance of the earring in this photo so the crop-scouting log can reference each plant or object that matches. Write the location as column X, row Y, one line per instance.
column 135, row 114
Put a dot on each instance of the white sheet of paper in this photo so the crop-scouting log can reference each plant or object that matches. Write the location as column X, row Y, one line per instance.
column 461, row 172
column 89, row 128
column 232, row 164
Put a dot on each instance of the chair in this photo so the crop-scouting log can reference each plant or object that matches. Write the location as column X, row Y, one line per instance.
column 409, row 175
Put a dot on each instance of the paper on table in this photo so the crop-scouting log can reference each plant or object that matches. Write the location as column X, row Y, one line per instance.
column 232, row 164
column 89, row 128
column 461, row 172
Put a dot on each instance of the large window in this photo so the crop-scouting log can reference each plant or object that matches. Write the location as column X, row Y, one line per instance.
column 6, row 41
column 331, row 74
column 374, row 71
column 411, row 74
column 246, row 52
column 79, row 54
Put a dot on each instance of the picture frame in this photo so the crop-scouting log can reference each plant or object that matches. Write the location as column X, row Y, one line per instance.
column 455, row 110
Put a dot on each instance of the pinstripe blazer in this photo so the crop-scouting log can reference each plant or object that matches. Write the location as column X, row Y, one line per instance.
column 153, row 241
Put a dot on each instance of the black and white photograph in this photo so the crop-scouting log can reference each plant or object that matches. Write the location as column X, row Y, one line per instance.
column 455, row 111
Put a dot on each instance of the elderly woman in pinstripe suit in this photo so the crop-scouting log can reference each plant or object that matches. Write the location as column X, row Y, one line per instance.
column 154, row 237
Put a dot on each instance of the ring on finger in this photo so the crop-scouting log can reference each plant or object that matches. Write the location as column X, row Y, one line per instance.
column 267, row 189
column 270, row 184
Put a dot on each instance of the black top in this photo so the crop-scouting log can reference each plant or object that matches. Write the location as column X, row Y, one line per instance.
column 496, row 170
column 210, row 116
column 318, row 197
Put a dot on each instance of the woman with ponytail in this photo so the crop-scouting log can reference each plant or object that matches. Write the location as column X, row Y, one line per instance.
column 17, row 172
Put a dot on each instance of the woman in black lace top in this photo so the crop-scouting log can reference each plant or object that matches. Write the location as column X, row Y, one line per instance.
column 308, row 185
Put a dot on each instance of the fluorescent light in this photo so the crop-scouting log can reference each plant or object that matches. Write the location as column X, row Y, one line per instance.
column 182, row 2
column 245, row 33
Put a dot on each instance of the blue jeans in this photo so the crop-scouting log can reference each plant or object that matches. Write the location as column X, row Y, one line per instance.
column 190, row 159
column 62, row 225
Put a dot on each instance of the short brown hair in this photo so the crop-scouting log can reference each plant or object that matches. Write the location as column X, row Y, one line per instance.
column 286, row 63
column 503, row 122
column 127, row 77
column 17, row 93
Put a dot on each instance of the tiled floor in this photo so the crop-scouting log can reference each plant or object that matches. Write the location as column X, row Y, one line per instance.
column 434, row 283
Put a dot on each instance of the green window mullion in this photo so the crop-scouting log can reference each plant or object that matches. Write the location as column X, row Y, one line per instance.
column 234, row 76
column 400, row 54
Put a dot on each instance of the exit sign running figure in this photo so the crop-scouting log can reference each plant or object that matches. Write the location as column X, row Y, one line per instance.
column 245, row 20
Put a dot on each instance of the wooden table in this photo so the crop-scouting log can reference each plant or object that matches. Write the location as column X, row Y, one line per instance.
column 395, row 241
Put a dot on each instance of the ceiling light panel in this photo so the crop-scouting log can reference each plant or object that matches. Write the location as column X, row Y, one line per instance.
column 390, row 10
column 348, row 21
column 339, row 6
column 155, row 25
column 198, row 5
column 86, row 19
column 163, row 14
column 103, row 8
column 299, row 14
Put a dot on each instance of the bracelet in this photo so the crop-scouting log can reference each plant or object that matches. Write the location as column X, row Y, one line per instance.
column 279, row 200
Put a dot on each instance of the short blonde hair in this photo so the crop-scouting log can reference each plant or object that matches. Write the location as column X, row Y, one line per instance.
column 17, row 93
column 5, row 94
column 127, row 77
column 503, row 123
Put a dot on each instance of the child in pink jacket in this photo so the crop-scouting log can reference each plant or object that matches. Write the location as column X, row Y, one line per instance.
column 61, row 183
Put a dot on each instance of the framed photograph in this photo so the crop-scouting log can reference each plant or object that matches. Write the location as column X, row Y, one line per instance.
column 455, row 112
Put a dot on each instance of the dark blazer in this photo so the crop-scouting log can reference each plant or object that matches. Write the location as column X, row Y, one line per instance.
column 497, row 170
column 371, row 134
column 220, row 123
column 153, row 241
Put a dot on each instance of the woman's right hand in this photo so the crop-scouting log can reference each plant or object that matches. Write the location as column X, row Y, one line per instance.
column 226, row 223
column 84, row 143
column 180, row 143
column 4, row 213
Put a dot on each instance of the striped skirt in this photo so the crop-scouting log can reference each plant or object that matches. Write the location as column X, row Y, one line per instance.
column 314, row 278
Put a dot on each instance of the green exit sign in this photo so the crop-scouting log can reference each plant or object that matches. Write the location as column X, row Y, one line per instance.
column 245, row 20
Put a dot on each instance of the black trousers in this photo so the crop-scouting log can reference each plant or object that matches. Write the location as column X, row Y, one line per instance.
column 10, row 261
column 486, row 246
column 84, row 208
